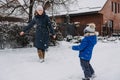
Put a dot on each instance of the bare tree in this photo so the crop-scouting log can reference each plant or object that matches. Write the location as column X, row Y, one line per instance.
column 11, row 7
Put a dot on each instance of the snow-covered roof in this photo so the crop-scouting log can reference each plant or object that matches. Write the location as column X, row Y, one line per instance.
column 77, row 6
column 63, row 7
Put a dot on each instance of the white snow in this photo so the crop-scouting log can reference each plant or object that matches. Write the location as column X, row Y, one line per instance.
column 61, row 63
column 77, row 6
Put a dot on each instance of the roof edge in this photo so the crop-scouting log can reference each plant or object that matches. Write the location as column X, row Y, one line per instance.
column 103, row 5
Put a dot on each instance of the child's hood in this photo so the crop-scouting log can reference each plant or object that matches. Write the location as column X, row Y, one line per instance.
column 92, row 39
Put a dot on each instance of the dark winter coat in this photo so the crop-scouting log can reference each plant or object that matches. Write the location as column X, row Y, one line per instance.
column 42, row 30
column 86, row 47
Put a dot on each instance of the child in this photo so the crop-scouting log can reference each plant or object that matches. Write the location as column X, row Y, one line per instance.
column 85, row 50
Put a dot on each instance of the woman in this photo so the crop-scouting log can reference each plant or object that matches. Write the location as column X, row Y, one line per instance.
column 85, row 50
column 42, row 31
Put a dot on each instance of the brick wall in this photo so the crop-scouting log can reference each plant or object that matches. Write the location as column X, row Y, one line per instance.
column 108, row 14
column 89, row 18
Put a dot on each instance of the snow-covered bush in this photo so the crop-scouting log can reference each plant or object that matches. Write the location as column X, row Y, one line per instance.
column 10, row 38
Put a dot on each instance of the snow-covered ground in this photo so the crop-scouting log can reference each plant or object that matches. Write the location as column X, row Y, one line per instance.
column 61, row 63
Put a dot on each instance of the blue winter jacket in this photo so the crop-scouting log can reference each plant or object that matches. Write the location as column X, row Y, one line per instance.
column 86, row 47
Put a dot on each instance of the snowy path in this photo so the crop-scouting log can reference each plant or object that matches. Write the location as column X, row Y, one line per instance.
column 61, row 63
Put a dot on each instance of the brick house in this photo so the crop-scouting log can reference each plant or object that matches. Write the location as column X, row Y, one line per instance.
column 104, row 13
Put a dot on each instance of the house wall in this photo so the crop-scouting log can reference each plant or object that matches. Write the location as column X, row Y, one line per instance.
column 59, row 19
column 89, row 18
column 108, row 14
column 84, row 19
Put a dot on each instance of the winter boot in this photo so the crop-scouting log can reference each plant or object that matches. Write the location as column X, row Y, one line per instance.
column 85, row 78
column 41, row 55
column 41, row 60
column 93, row 76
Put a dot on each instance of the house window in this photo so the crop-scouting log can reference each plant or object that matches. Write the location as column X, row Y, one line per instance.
column 114, row 7
column 110, row 27
column 110, row 23
column 118, row 8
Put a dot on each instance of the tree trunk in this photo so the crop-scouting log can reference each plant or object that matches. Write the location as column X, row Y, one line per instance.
column 31, row 9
